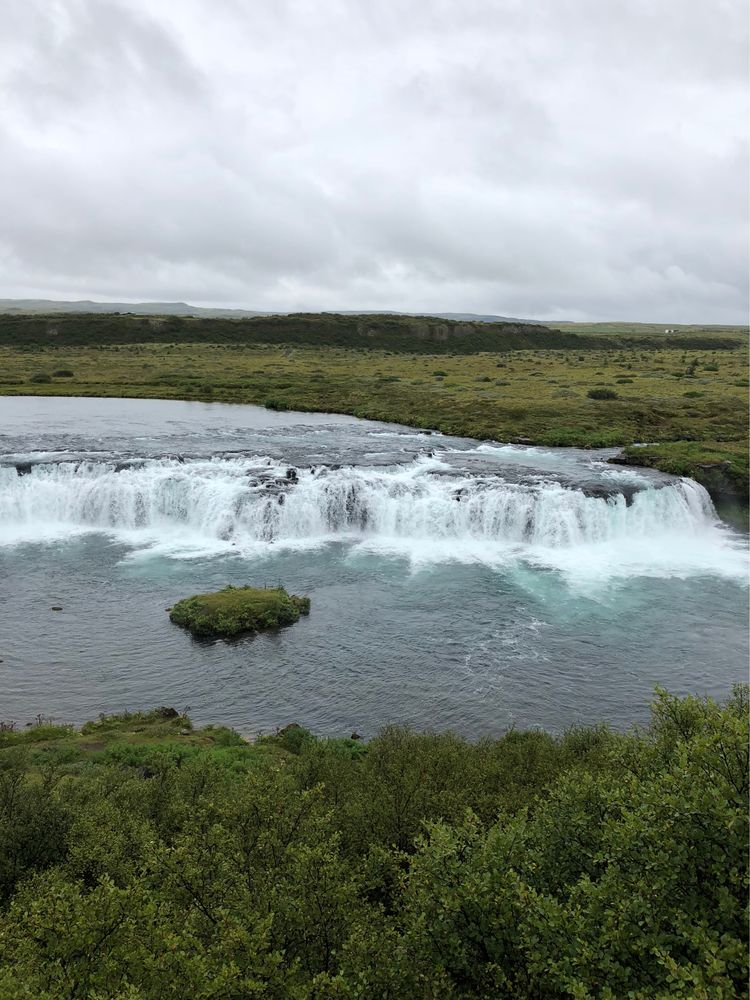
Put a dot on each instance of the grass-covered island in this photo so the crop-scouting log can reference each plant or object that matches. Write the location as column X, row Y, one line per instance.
column 144, row 859
column 235, row 611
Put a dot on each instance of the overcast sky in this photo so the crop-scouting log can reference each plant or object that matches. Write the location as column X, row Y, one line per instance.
column 583, row 159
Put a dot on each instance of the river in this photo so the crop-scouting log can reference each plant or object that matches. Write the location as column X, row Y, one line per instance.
column 454, row 584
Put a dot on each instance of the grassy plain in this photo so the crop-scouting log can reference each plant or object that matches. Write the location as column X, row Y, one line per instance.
column 690, row 405
column 674, row 395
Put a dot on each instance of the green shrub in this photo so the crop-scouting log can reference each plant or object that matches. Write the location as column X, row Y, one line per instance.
column 601, row 394
column 63, row 373
column 413, row 867
column 40, row 377
column 293, row 738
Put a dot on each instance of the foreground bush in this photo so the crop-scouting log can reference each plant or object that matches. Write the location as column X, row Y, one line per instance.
column 417, row 866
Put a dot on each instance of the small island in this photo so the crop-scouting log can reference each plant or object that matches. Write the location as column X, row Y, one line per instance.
column 236, row 611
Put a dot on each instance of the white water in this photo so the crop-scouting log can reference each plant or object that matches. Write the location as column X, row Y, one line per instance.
column 422, row 510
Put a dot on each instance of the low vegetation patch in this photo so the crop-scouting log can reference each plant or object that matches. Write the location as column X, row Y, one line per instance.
column 234, row 611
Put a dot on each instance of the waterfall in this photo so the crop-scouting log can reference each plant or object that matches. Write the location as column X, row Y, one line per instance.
column 256, row 500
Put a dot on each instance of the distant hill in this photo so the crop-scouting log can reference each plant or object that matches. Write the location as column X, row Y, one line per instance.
column 457, row 317
column 382, row 331
column 48, row 306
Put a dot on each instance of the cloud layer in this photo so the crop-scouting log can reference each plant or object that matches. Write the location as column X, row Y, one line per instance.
column 552, row 158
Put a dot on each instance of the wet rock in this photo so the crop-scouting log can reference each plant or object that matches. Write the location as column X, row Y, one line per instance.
column 291, row 475
column 355, row 736
column 166, row 712
column 56, row 607
column 24, row 468
column 604, row 492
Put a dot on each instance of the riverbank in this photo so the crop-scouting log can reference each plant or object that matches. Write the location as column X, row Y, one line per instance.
column 693, row 403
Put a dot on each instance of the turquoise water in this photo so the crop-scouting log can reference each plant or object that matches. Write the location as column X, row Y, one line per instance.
column 453, row 585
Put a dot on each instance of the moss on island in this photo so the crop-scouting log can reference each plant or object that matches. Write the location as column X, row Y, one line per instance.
column 235, row 611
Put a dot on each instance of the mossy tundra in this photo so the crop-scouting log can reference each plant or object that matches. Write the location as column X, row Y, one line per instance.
column 234, row 611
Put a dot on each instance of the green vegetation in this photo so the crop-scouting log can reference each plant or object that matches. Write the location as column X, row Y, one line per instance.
column 540, row 395
column 722, row 466
column 143, row 859
column 235, row 610
column 381, row 331
column 602, row 393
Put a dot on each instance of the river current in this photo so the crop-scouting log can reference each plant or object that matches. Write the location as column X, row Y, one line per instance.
column 454, row 584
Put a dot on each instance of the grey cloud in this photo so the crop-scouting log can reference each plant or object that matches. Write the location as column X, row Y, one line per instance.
column 561, row 158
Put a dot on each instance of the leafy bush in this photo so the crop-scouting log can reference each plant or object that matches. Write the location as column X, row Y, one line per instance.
column 601, row 394
column 415, row 867
column 40, row 377
column 63, row 373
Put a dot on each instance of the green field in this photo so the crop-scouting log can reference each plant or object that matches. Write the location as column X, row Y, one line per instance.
column 690, row 404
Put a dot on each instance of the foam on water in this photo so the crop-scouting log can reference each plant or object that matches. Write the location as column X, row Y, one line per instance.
column 422, row 511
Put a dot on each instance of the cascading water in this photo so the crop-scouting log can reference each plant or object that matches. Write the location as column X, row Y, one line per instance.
column 453, row 584
column 250, row 501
